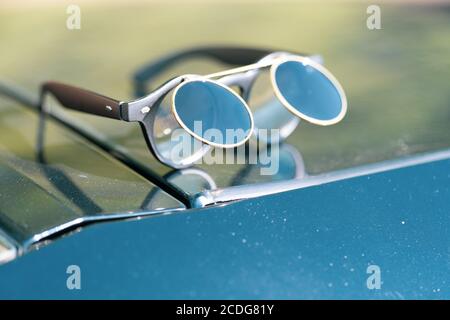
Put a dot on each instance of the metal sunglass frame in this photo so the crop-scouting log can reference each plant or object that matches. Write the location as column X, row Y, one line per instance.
column 138, row 110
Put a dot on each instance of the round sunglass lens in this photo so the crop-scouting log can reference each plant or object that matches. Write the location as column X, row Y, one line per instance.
column 309, row 91
column 212, row 112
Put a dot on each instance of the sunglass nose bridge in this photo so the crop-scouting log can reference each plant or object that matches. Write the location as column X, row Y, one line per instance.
column 242, row 81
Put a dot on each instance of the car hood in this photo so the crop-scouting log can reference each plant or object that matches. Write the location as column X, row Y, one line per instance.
column 308, row 243
column 59, row 174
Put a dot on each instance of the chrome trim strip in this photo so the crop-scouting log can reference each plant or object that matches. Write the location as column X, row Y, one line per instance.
column 253, row 191
column 83, row 221
column 9, row 250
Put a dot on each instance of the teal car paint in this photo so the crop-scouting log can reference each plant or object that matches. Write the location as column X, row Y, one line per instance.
column 316, row 242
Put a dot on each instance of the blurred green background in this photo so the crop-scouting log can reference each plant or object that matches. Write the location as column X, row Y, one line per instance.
column 397, row 79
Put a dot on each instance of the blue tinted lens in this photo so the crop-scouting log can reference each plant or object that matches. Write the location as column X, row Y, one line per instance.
column 308, row 90
column 212, row 112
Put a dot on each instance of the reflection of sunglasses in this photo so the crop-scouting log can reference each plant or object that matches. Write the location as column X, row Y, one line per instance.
column 303, row 86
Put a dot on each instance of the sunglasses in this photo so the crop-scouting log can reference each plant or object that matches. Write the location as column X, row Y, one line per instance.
column 201, row 104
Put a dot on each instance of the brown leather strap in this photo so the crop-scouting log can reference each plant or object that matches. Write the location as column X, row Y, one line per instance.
column 83, row 100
